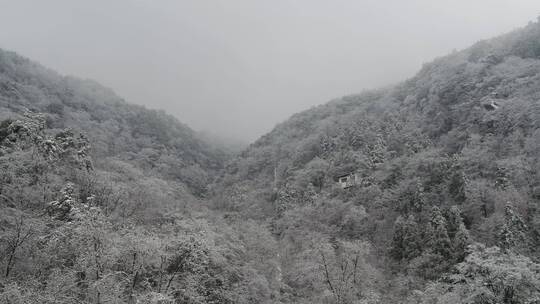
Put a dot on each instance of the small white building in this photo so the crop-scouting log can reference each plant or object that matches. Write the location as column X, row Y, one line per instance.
column 490, row 105
column 347, row 180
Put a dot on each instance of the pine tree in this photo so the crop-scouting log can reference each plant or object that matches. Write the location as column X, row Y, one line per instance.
column 512, row 234
column 62, row 207
column 458, row 234
column 454, row 221
column 411, row 238
column 459, row 244
column 419, row 198
column 501, row 178
column 397, row 250
column 405, row 242
column 437, row 234
column 377, row 151
column 458, row 181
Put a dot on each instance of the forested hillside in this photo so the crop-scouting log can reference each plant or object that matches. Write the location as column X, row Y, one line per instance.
column 445, row 206
column 150, row 140
column 104, row 202
column 424, row 192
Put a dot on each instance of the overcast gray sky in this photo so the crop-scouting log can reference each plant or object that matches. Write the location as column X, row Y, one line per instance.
column 238, row 67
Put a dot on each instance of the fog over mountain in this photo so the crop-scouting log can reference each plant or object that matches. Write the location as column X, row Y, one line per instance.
column 424, row 189
column 236, row 68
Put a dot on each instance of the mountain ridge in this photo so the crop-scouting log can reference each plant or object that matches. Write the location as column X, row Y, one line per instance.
column 455, row 143
column 440, row 202
column 114, row 127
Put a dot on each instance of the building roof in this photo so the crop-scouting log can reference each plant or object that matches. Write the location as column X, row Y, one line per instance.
column 344, row 174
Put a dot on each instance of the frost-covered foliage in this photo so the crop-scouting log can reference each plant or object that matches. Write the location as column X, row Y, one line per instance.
column 74, row 233
column 24, row 132
column 437, row 169
column 488, row 275
column 444, row 208
column 153, row 141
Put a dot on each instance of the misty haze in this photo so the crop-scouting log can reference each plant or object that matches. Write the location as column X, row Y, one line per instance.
column 236, row 68
column 250, row 151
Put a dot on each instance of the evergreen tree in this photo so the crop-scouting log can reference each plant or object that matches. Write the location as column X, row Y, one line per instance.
column 437, row 235
column 454, row 221
column 376, row 151
column 397, row 240
column 411, row 239
column 512, row 234
column 458, row 234
column 419, row 198
column 458, row 181
column 459, row 244
column 501, row 178
column 406, row 239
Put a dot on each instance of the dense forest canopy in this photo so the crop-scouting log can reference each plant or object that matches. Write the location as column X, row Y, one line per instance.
column 106, row 202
